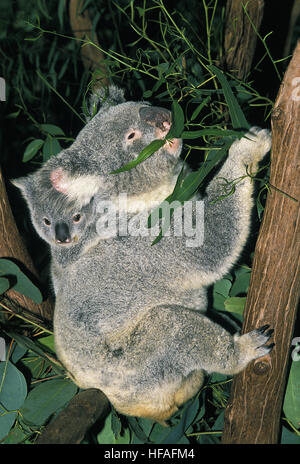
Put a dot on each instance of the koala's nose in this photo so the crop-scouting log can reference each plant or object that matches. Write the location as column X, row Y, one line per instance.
column 156, row 116
column 62, row 233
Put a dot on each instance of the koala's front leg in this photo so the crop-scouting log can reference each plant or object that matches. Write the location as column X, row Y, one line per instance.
column 243, row 157
column 228, row 206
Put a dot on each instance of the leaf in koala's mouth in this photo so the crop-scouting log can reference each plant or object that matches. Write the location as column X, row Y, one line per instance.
column 144, row 154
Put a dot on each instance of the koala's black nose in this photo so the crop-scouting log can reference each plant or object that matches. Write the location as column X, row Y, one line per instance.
column 62, row 233
column 155, row 116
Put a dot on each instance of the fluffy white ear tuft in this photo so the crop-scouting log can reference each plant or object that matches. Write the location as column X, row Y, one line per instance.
column 78, row 188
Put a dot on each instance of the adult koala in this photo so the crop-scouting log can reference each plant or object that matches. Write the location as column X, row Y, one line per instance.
column 129, row 317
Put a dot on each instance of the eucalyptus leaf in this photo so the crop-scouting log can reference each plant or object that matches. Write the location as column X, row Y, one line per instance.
column 235, row 304
column 51, row 148
column 46, row 399
column 177, row 432
column 197, row 111
column 211, row 131
column 4, row 285
column 144, row 154
column 236, row 114
column 52, row 129
column 32, row 149
column 13, row 391
column 177, row 121
column 23, row 283
column 291, row 405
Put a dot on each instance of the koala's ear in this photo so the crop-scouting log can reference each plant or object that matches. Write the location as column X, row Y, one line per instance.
column 104, row 97
column 80, row 188
column 25, row 184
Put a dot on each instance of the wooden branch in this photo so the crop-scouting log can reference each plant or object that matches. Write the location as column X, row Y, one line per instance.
column 11, row 246
column 92, row 57
column 254, row 409
column 240, row 38
column 71, row 425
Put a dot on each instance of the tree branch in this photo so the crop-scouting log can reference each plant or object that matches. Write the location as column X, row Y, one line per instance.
column 11, row 246
column 92, row 57
column 240, row 38
column 71, row 425
column 253, row 412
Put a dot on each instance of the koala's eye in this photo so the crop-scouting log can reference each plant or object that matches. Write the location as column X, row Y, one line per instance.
column 133, row 134
column 46, row 221
column 76, row 217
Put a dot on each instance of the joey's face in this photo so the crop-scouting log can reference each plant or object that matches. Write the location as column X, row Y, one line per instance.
column 61, row 229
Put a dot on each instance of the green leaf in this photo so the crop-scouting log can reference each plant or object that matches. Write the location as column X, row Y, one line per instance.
column 137, row 429
column 32, row 149
column 23, row 284
column 51, row 148
column 186, row 187
column 16, row 435
column 177, row 121
column 17, row 352
column 223, row 287
column 106, row 435
column 48, row 342
column 13, row 391
column 241, row 283
column 199, row 108
column 289, row 438
column 144, row 154
column 52, row 129
column 177, row 432
column 235, row 304
column 45, row 399
column 236, row 114
column 192, row 182
column 216, row 132
column 291, row 405
column 116, row 425
column 4, row 285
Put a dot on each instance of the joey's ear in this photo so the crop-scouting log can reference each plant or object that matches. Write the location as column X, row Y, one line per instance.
column 80, row 188
column 25, row 184
column 104, row 97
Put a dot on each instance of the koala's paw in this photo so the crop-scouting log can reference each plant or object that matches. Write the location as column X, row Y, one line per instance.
column 252, row 147
column 253, row 344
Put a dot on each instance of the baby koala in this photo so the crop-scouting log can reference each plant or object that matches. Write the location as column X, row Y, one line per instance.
column 67, row 229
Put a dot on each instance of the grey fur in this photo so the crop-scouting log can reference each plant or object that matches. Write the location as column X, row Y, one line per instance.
column 129, row 317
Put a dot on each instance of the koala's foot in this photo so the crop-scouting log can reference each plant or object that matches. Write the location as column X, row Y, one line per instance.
column 252, row 147
column 252, row 345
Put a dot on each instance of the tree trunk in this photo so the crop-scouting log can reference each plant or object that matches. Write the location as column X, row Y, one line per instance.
column 11, row 246
column 254, row 409
column 240, row 37
column 92, row 57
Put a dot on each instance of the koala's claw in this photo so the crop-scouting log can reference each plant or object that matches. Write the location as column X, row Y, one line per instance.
column 263, row 328
column 269, row 348
column 253, row 344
